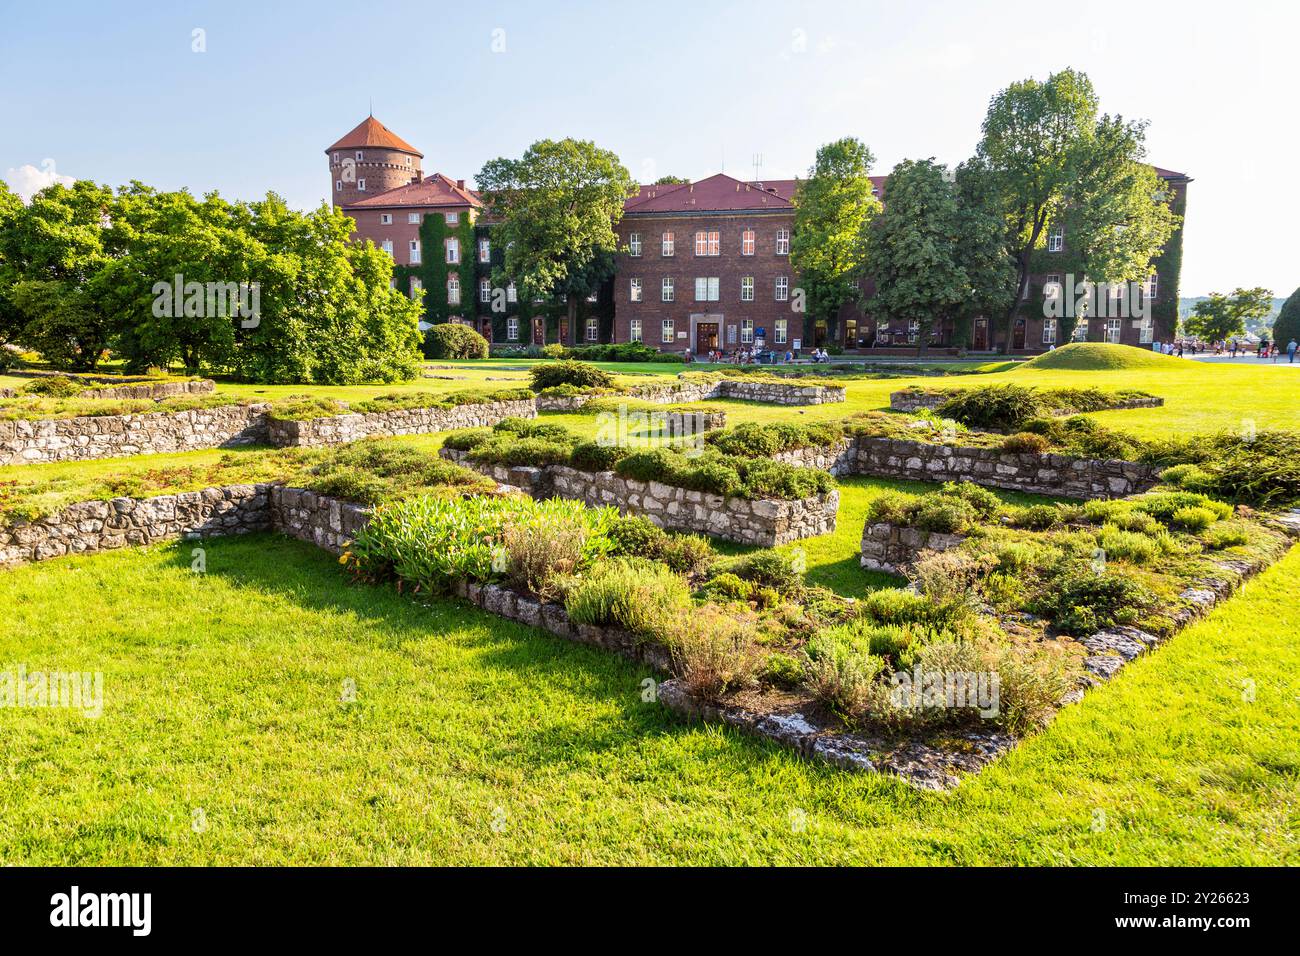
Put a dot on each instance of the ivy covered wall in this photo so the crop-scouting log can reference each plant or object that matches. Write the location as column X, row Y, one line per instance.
column 434, row 269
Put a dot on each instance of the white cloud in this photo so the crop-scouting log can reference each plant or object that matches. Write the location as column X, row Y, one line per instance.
column 28, row 180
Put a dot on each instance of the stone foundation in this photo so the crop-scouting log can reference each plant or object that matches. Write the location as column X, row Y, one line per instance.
column 910, row 401
column 114, row 436
column 892, row 548
column 765, row 523
column 337, row 429
column 686, row 391
column 158, row 390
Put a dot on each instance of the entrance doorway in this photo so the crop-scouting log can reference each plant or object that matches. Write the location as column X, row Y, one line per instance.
column 1018, row 334
column 706, row 337
column 980, row 338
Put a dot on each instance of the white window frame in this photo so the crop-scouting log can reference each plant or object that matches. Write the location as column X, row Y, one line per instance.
column 1146, row 331
column 417, row 288
column 1052, row 286
column 512, row 328
column 453, row 290
column 708, row 240
column 452, row 245
column 783, row 242
column 1056, row 239
column 1049, row 331
column 512, row 294
column 338, row 185
column 634, row 244
column 746, row 331
column 748, row 242
column 667, row 245
column 746, row 288
column 779, row 332
column 452, row 218
column 781, row 289
column 485, row 250
column 667, row 332
column 360, row 155
column 593, row 328
column 913, row 330
column 668, row 290
column 634, row 330
column 361, row 185
column 385, row 218
column 634, row 290
column 707, row 289
column 413, row 218
column 387, row 246
column 1150, row 287
column 485, row 290
column 415, row 252
column 1080, row 331
column 1114, row 330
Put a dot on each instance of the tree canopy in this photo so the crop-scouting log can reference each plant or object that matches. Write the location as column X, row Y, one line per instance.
column 1220, row 317
column 1287, row 325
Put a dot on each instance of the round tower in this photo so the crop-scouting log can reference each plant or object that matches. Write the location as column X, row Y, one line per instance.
column 370, row 160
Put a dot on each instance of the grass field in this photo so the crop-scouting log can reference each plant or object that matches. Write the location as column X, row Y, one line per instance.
column 226, row 738
column 474, row 741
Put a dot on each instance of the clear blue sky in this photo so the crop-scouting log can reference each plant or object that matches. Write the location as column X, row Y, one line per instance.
column 113, row 92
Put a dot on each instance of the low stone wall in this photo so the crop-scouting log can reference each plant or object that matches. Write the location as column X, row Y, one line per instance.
column 1045, row 474
column 112, row 436
column 892, row 548
column 781, row 394
column 124, row 522
column 839, row 459
column 685, row 391
column 765, row 522
column 157, row 390
column 336, row 429
column 328, row 523
column 910, row 401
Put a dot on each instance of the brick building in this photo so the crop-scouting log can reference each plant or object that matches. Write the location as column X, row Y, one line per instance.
column 701, row 266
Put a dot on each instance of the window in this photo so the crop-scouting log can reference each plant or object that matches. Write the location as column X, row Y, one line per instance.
column 360, row 155
column 706, row 289
column 413, row 218
column 1052, row 287
column 415, row 252
column 408, row 160
column 417, row 288
column 512, row 328
column 1081, row 331
column 593, row 329
column 361, row 185
column 336, row 159
column 1049, row 331
column 1149, row 290
column 913, row 330
column 669, row 292
column 392, row 283
column 708, row 243
column 731, row 334
column 511, row 294
column 453, row 218
column 634, row 330
column 746, row 331
column 636, row 290
column 1056, row 239
column 1146, row 331
column 385, row 218
column 338, row 185
column 634, row 244
column 783, row 242
column 780, row 332
column 782, row 288
column 485, row 290
column 453, row 250
column 387, row 246
column 1113, row 327
column 667, row 244
column 667, row 334
column 453, row 290
column 747, row 242
column 484, row 250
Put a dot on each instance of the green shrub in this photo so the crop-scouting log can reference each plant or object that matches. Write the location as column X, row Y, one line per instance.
column 1026, row 443
column 451, row 340
column 552, row 350
column 729, row 587
column 467, row 438
column 993, row 407
column 565, row 372
column 375, row 470
column 1037, row 517
column 985, row 502
column 839, row 672
column 303, row 407
column 1194, row 518
column 1164, row 505
column 689, row 554
column 1082, row 602
column 770, row 569
column 1189, row 477
column 635, row 535
column 53, row 386
column 781, row 670
column 1217, row 539
column 1128, row 545
column 635, row 594
column 713, row 653
column 751, row 438
column 945, row 514
column 595, row 456
column 895, row 507
column 528, row 452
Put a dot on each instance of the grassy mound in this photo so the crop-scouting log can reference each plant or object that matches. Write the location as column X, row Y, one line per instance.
column 1099, row 356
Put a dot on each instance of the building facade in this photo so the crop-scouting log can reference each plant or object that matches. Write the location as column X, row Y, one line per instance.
column 701, row 266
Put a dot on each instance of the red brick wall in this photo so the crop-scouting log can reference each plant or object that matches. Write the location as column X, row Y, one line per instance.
column 382, row 169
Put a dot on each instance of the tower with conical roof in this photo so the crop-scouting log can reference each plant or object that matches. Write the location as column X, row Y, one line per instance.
column 370, row 160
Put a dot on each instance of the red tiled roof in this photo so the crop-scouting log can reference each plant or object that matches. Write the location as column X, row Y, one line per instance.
column 1169, row 173
column 719, row 193
column 435, row 190
column 371, row 132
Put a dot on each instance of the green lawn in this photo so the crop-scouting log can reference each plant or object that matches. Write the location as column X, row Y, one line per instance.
column 474, row 741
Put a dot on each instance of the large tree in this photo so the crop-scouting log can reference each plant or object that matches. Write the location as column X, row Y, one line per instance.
column 1220, row 317
column 11, row 320
column 1287, row 325
column 558, row 206
column 935, row 252
column 1055, row 161
column 833, row 208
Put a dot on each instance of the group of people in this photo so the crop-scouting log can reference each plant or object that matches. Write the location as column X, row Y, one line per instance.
column 741, row 356
column 1231, row 347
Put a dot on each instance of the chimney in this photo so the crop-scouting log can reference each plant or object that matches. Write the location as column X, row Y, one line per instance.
column 460, row 184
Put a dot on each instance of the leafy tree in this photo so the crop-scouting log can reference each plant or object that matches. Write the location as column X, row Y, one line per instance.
column 1287, row 325
column 935, row 253
column 1220, row 317
column 671, row 181
column 833, row 208
column 558, row 206
column 58, row 248
column 11, row 320
column 1054, row 161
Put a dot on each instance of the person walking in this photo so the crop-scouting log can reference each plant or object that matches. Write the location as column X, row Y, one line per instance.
column 1290, row 351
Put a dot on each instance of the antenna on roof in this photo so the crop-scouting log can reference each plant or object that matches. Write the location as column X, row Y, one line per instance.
column 758, row 164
